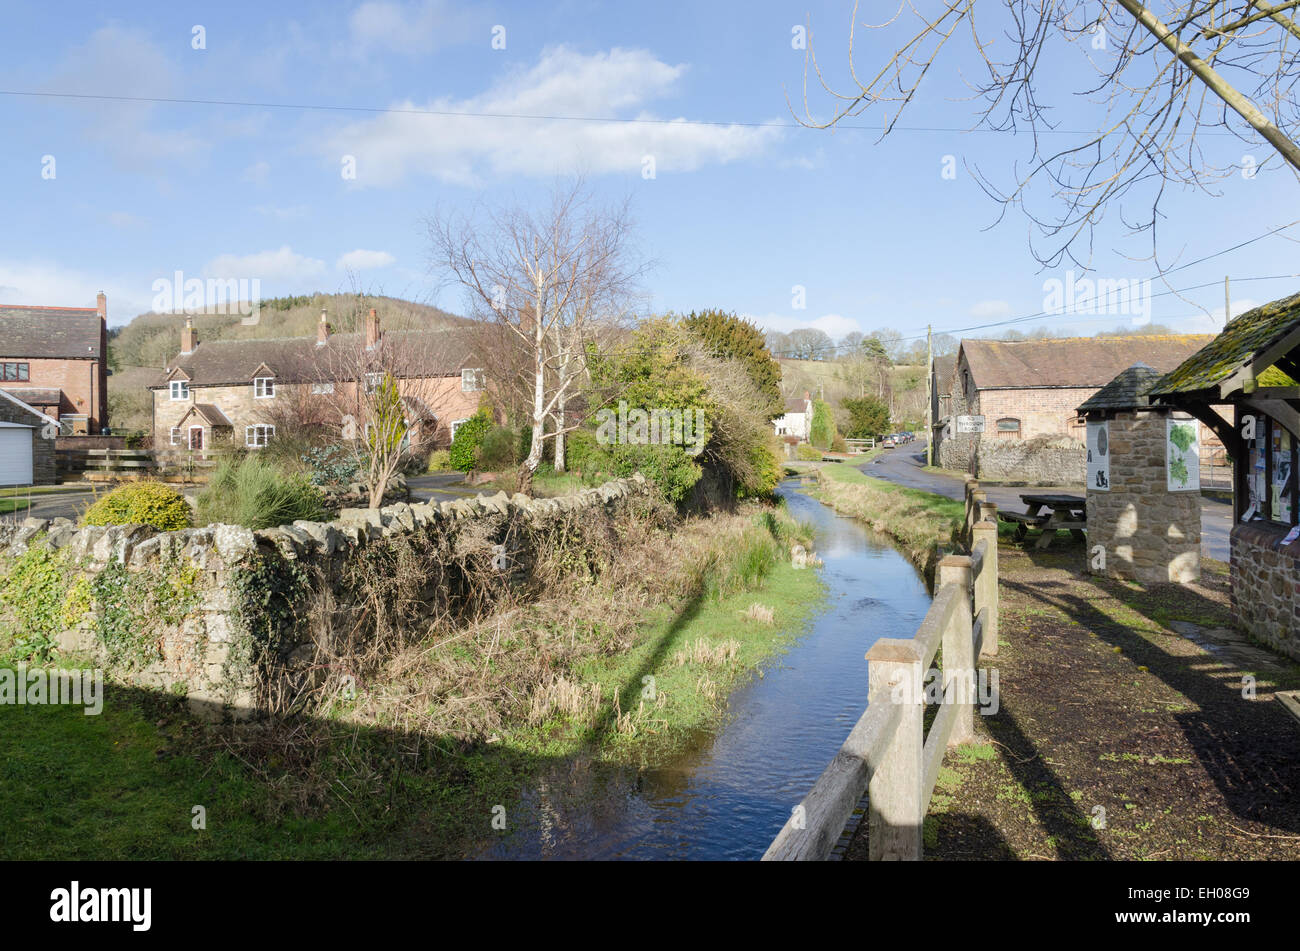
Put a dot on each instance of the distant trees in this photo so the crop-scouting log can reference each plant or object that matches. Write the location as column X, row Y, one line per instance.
column 809, row 343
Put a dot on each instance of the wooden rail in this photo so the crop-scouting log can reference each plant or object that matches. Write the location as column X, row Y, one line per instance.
column 889, row 755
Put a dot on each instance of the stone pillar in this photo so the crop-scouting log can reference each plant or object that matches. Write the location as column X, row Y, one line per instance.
column 1146, row 532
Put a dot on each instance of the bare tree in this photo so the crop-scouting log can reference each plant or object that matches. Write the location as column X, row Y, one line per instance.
column 383, row 385
column 555, row 281
column 1157, row 97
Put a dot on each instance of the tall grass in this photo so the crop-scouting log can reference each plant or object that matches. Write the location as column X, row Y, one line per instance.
column 257, row 493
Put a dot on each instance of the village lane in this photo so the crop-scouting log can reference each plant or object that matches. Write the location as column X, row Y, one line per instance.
column 906, row 466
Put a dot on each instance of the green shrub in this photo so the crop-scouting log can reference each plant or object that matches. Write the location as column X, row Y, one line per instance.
column 256, row 494
column 331, row 465
column 838, row 444
column 469, row 436
column 33, row 593
column 808, row 453
column 141, row 503
column 822, row 430
column 497, row 450
column 439, row 461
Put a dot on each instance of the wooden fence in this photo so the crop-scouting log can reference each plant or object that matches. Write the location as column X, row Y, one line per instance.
column 115, row 464
column 889, row 755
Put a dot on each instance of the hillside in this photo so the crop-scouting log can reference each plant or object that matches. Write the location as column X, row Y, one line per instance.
column 141, row 348
column 833, row 380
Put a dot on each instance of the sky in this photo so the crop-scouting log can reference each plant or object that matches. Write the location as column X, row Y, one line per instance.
column 429, row 105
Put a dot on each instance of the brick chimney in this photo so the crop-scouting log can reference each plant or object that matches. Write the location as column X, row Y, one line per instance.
column 101, row 305
column 322, row 330
column 189, row 337
column 372, row 330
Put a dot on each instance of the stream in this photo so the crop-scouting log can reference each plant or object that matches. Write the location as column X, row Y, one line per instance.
column 729, row 792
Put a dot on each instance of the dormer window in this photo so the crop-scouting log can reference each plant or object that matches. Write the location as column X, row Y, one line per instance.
column 471, row 380
column 263, row 387
column 180, row 389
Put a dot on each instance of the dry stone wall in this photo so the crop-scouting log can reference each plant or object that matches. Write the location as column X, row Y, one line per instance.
column 217, row 612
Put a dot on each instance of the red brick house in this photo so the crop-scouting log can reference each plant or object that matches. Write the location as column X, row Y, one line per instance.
column 246, row 392
column 54, row 359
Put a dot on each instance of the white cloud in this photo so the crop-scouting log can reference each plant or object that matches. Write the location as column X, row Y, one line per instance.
column 361, row 260
column 283, row 264
column 51, row 285
column 408, row 28
column 563, row 82
column 836, row 325
column 986, row 309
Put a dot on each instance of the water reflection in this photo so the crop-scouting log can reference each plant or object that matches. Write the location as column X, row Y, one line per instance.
column 728, row 794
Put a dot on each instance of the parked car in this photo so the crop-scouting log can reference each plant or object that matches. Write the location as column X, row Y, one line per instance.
column 888, row 442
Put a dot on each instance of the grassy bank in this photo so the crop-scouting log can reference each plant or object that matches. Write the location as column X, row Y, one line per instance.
column 625, row 664
column 917, row 521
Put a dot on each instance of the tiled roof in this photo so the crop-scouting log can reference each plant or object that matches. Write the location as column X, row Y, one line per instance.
column 36, row 395
column 70, row 333
column 1073, row 361
column 943, row 373
column 1232, row 349
column 1126, row 391
column 796, row 406
column 300, row 360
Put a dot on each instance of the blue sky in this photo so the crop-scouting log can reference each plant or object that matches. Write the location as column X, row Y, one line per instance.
column 736, row 215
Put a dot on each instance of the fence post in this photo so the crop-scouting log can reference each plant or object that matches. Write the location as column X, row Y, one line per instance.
column 986, row 585
column 894, row 794
column 959, row 651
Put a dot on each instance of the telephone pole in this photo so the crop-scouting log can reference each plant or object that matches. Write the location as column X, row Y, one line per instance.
column 929, row 396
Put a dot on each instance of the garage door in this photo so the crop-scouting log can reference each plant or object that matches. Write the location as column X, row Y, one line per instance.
column 15, row 454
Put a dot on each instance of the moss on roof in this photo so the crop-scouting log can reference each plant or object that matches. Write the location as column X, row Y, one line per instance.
column 1126, row 391
column 1236, row 346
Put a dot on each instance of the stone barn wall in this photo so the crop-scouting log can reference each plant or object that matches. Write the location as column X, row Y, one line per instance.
column 1042, row 460
column 1266, row 585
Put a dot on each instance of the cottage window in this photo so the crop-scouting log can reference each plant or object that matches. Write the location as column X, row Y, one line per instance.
column 15, row 371
column 263, row 387
column 255, row 437
column 180, row 390
column 471, row 380
column 177, row 439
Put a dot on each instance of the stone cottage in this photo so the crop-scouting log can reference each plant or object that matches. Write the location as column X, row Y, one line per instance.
column 247, row 391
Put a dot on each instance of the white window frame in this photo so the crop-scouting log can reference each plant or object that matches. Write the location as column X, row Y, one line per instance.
column 258, row 435
column 177, row 439
column 372, row 381
column 475, row 384
column 263, row 387
column 182, row 387
column 456, row 424
column 322, row 389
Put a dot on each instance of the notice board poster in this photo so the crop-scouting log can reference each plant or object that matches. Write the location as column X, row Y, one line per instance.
column 1099, row 457
column 1182, row 456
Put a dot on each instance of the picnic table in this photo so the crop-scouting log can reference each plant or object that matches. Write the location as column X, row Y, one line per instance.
column 1065, row 511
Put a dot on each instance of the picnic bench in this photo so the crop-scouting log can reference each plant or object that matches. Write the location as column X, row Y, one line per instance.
column 1064, row 511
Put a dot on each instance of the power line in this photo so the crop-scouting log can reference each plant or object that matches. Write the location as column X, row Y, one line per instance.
column 1041, row 314
column 453, row 114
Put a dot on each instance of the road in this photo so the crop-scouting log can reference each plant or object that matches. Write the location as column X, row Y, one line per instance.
column 905, row 466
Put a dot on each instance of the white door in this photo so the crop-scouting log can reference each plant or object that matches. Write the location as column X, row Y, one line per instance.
column 15, row 454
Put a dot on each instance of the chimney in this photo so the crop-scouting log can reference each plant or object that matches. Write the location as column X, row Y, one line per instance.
column 101, row 305
column 189, row 337
column 322, row 330
column 372, row 330
column 807, row 395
